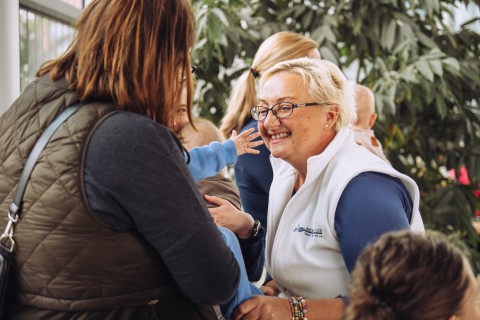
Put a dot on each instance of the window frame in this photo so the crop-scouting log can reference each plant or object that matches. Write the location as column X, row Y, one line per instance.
column 53, row 9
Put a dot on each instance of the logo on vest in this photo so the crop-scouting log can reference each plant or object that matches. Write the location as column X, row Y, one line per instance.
column 309, row 232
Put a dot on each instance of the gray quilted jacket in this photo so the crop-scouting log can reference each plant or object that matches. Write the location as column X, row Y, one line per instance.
column 68, row 264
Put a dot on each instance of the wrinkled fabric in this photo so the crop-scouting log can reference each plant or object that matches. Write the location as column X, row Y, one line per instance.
column 58, row 273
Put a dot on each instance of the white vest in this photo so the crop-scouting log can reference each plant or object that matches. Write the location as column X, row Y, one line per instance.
column 302, row 251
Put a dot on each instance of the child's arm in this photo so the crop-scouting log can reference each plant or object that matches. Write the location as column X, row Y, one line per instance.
column 209, row 160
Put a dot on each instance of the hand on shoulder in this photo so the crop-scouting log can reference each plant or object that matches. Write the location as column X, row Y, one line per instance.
column 226, row 215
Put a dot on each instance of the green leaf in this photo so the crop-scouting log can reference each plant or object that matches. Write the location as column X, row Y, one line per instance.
column 357, row 24
column 407, row 32
column 472, row 75
column 435, row 6
column 424, row 69
column 408, row 76
column 441, row 106
column 307, row 19
column 214, row 28
column 329, row 34
column 391, row 105
column 318, row 35
column 200, row 44
column 221, row 16
column 327, row 54
column 201, row 24
column 428, row 6
column 426, row 41
column 436, row 66
column 452, row 63
column 389, row 37
column 379, row 104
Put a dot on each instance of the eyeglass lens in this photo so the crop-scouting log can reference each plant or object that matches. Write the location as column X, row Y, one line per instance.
column 280, row 110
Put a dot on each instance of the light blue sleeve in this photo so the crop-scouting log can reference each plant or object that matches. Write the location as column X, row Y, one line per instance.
column 209, row 160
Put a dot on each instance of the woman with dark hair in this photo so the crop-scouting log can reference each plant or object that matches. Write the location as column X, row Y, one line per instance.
column 406, row 275
column 113, row 226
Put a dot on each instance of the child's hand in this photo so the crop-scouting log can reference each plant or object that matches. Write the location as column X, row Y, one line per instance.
column 243, row 142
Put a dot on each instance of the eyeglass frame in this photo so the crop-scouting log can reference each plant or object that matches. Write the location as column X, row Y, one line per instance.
column 294, row 106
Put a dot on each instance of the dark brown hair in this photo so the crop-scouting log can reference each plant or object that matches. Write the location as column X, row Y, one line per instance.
column 131, row 53
column 405, row 275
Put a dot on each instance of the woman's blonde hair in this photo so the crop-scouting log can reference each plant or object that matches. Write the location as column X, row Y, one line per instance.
column 132, row 53
column 405, row 275
column 281, row 46
column 326, row 84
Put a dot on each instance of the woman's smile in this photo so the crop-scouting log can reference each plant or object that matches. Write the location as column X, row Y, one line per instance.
column 274, row 138
column 300, row 135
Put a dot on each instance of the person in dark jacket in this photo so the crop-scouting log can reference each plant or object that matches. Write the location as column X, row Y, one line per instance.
column 113, row 226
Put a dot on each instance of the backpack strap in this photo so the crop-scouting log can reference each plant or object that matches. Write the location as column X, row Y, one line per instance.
column 6, row 239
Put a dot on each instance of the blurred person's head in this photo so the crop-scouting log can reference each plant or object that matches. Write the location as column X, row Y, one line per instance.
column 365, row 101
column 201, row 133
column 133, row 53
column 406, row 275
column 295, row 131
column 279, row 47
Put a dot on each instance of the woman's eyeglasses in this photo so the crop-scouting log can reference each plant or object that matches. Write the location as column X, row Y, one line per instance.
column 280, row 110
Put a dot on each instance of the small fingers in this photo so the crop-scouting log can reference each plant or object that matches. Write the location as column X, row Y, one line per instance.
column 252, row 136
column 254, row 144
column 252, row 151
column 247, row 132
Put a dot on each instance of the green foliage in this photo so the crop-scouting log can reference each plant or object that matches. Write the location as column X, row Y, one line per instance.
column 426, row 79
column 225, row 41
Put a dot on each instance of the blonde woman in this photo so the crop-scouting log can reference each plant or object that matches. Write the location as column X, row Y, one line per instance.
column 253, row 173
column 329, row 198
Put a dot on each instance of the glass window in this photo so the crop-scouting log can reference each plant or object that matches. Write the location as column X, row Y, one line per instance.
column 41, row 39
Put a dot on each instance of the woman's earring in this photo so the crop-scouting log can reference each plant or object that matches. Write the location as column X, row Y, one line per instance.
column 326, row 126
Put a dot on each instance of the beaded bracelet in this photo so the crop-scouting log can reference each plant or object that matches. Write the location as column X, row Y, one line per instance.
column 298, row 308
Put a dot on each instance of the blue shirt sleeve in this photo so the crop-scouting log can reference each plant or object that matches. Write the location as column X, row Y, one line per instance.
column 371, row 204
column 209, row 160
